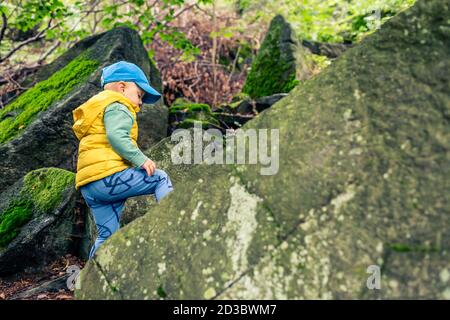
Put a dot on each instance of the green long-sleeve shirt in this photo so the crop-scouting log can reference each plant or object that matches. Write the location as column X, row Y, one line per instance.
column 118, row 121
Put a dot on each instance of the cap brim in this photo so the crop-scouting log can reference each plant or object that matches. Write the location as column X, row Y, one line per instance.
column 151, row 95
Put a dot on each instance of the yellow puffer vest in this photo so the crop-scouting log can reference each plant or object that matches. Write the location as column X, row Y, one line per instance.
column 96, row 158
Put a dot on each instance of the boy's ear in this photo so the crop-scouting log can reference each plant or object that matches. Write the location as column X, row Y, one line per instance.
column 122, row 85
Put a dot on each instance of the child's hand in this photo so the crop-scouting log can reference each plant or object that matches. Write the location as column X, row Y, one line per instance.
column 149, row 166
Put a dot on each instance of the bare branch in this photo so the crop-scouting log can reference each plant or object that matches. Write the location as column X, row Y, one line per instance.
column 37, row 37
column 4, row 25
column 234, row 64
column 45, row 55
column 175, row 16
column 91, row 9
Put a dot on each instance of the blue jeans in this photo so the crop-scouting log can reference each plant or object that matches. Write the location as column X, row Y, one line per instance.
column 106, row 197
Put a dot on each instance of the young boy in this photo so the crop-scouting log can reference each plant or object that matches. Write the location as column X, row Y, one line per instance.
column 111, row 167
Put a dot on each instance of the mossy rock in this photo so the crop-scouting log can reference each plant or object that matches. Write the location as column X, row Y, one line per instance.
column 240, row 97
column 36, row 219
column 232, row 121
column 182, row 104
column 236, row 101
column 18, row 213
column 242, row 104
column 281, row 63
column 39, row 121
column 362, row 181
column 16, row 116
column 183, row 114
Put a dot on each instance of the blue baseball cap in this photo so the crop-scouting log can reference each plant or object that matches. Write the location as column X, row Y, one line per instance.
column 129, row 72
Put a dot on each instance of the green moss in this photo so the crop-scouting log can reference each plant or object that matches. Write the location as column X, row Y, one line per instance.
column 42, row 191
column 45, row 186
column 182, row 104
column 399, row 247
column 20, row 113
column 240, row 96
column 194, row 112
column 13, row 218
column 190, row 107
column 320, row 61
column 189, row 123
column 161, row 293
column 270, row 73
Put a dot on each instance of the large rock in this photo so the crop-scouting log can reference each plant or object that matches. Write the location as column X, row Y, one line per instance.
column 36, row 127
column 282, row 62
column 363, row 180
column 161, row 154
column 37, row 221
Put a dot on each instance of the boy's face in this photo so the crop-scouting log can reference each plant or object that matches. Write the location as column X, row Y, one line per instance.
column 133, row 93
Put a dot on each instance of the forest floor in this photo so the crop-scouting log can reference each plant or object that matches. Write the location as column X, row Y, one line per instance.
column 22, row 282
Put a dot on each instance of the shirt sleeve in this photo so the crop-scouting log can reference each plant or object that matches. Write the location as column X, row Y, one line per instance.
column 118, row 123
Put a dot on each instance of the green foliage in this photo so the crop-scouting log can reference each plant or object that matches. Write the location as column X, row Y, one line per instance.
column 21, row 112
column 34, row 12
column 321, row 20
column 242, row 5
column 68, row 21
column 366, row 23
column 179, row 41
column 13, row 218
column 327, row 20
column 45, row 186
